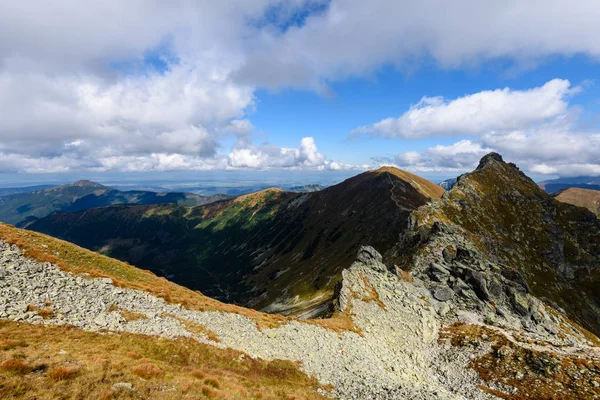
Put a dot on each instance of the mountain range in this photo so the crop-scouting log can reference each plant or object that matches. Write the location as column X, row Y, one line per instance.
column 273, row 250
column 582, row 182
column 37, row 202
column 487, row 290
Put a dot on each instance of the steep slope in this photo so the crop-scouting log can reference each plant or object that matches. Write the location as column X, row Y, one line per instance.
column 496, row 236
column 589, row 199
column 272, row 249
column 81, row 195
column 120, row 332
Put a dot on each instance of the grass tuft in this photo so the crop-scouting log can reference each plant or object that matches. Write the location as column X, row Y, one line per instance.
column 148, row 371
column 63, row 373
column 15, row 367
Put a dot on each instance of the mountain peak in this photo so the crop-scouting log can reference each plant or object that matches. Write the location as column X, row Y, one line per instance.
column 425, row 187
column 86, row 183
column 490, row 159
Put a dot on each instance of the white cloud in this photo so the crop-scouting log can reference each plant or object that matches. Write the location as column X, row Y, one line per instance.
column 78, row 92
column 270, row 157
column 351, row 39
column 541, row 151
column 537, row 129
column 488, row 111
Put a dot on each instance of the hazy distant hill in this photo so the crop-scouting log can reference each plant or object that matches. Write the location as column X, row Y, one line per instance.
column 583, row 182
column 81, row 195
column 24, row 189
column 447, row 184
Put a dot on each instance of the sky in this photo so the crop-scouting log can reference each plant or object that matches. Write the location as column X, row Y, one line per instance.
column 118, row 88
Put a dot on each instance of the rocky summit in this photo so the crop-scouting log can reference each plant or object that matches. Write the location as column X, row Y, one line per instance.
column 487, row 291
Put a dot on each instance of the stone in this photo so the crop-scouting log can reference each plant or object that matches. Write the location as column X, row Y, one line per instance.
column 495, row 289
column 518, row 301
column 371, row 258
column 443, row 293
column 516, row 277
column 477, row 282
column 122, row 385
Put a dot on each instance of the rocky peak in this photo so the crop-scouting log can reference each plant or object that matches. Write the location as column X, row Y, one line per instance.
column 504, row 222
column 490, row 159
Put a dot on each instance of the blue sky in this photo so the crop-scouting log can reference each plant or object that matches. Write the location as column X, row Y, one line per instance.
column 191, row 88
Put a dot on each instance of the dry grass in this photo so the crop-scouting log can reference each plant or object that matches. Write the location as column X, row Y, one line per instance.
column 74, row 259
column 148, row 371
column 157, row 368
column 15, row 367
column 63, row 373
column 42, row 312
column 128, row 315
column 536, row 374
column 371, row 293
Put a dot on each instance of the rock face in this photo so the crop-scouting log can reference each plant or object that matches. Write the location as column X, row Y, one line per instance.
column 508, row 250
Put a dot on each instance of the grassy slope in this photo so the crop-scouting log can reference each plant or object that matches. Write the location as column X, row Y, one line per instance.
column 515, row 222
column 257, row 247
column 99, row 360
column 589, row 199
column 62, row 362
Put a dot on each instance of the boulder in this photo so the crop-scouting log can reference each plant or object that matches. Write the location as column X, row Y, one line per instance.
column 519, row 301
column 443, row 293
column 371, row 258
column 478, row 283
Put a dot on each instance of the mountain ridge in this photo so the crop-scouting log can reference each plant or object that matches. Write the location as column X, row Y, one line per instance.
column 255, row 238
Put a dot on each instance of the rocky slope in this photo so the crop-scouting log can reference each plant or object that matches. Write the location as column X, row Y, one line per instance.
column 273, row 250
column 402, row 342
column 496, row 242
column 589, row 199
column 23, row 208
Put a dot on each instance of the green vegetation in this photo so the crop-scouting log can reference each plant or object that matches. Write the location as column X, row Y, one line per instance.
column 259, row 249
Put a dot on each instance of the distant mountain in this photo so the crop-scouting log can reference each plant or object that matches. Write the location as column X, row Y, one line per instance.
column 583, row 182
column 274, row 250
column 589, row 199
column 447, row 184
column 306, row 188
column 22, row 208
column 24, row 189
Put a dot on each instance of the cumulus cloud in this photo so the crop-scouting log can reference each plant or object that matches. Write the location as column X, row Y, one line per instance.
column 350, row 39
column 270, row 157
column 537, row 129
column 149, row 85
column 542, row 151
column 488, row 111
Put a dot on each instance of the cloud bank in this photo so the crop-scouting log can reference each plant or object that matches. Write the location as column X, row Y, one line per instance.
column 148, row 85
